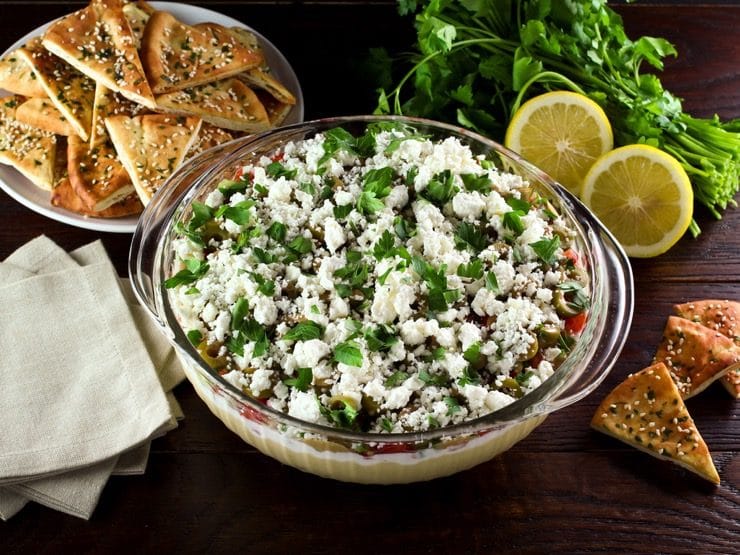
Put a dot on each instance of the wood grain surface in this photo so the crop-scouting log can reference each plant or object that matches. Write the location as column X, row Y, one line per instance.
column 564, row 489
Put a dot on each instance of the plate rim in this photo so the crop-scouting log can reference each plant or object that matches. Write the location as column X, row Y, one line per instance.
column 127, row 224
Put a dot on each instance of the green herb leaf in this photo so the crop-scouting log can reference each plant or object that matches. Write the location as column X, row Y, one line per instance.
column 471, row 237
column 432, row 379
column 276, row 170
column 195, row 337
column 239, row 312
column 276, row 232
column 396, row 379
column 348, row 353
column 403, row 228
column 380, row 338
column 440, row 189
column 302, row 381
column 545, row 249
column 476, row 183
column 472, row 270
column 194, row 270
column 385, row 247
column 343, row 211
column 492, row 282
column 304, row 331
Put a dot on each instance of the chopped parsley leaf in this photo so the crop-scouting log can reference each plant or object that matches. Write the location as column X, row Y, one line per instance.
column 472, row 270
column 304, row 331
column 193, row 271
column 301, row 381
column 545, row 248
column 441, row 188
column 348, row 353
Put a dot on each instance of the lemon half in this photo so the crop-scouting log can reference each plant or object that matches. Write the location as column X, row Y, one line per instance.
column 561, row 132
column 643, row 196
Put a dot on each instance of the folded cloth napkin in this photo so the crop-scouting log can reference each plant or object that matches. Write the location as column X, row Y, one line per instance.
column 85, row 381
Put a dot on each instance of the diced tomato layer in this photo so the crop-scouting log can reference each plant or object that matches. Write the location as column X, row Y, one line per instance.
column 571, row 255
column 251, row 414
column 392, row 448
column 575, row 324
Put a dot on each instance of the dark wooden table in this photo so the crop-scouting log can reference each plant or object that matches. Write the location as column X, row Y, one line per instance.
column 564, row 489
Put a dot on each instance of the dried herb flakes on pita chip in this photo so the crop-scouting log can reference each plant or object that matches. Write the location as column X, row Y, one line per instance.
column 29, row 150
column 647, row 412
column 97, row 40
column 695, row 355
column 177, row 56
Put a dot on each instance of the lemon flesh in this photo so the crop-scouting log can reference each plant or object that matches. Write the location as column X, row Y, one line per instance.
column 562, row 133
column 643, row 196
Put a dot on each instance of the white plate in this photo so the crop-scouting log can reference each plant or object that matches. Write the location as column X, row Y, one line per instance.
column 25, row 192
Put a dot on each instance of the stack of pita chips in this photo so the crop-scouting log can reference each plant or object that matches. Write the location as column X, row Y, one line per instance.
column 700, row 345
column 115, row 96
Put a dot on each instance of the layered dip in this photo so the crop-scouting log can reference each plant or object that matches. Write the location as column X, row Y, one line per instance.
column 382, row 282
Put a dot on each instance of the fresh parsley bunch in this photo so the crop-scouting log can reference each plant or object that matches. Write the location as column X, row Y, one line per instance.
column 478, row 60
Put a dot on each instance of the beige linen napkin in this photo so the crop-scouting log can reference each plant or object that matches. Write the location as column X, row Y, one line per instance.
column 53, row 286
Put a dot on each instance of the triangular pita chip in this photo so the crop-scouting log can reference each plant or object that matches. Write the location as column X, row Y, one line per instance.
column 229, row 104
column 276, row 111
column 722, row 316
column 151, row 147
column 208, row 137
column 178, row 56
column 137, row 18
column 98, row 41
column 41, row 113
column 695, row 355
column 646, row 411
column 70, row 91
column 262, row 79
column 109, row 103
column 64, row 196
column 30, row 150
column 98, row 177
column 261, row 76
column 17, row 77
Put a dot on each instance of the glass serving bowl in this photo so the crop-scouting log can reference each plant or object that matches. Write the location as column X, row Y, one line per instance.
column 373, row 457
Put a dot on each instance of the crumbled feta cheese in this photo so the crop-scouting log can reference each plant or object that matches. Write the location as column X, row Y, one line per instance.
column 383, row 297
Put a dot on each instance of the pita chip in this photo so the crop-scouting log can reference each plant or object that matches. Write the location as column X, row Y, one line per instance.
column 646, row 411
column 151, row 147
column 137, row 18
column 722, row 316
column 64, row 196
column 41, row 113
column 97, row 40
column 17, row 77
column 178, row 56
column 261, row 77
column 276, row 111
column 97, row 175
column 695, row 355
column 71, row 92
column 110, row 103
column 29, row 150
column 229, row 104
column 209, row 136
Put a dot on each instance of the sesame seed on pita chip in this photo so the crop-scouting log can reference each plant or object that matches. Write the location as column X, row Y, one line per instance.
column 695, row 355
column 97, row 40
column 17, row 77
column 722, row 316
column 152, row 147
column 229, row 104
column 29, row 150
column 72, row 92
column 646, row 411
column 177, row 56
column 41, row 113
column 96, row 173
